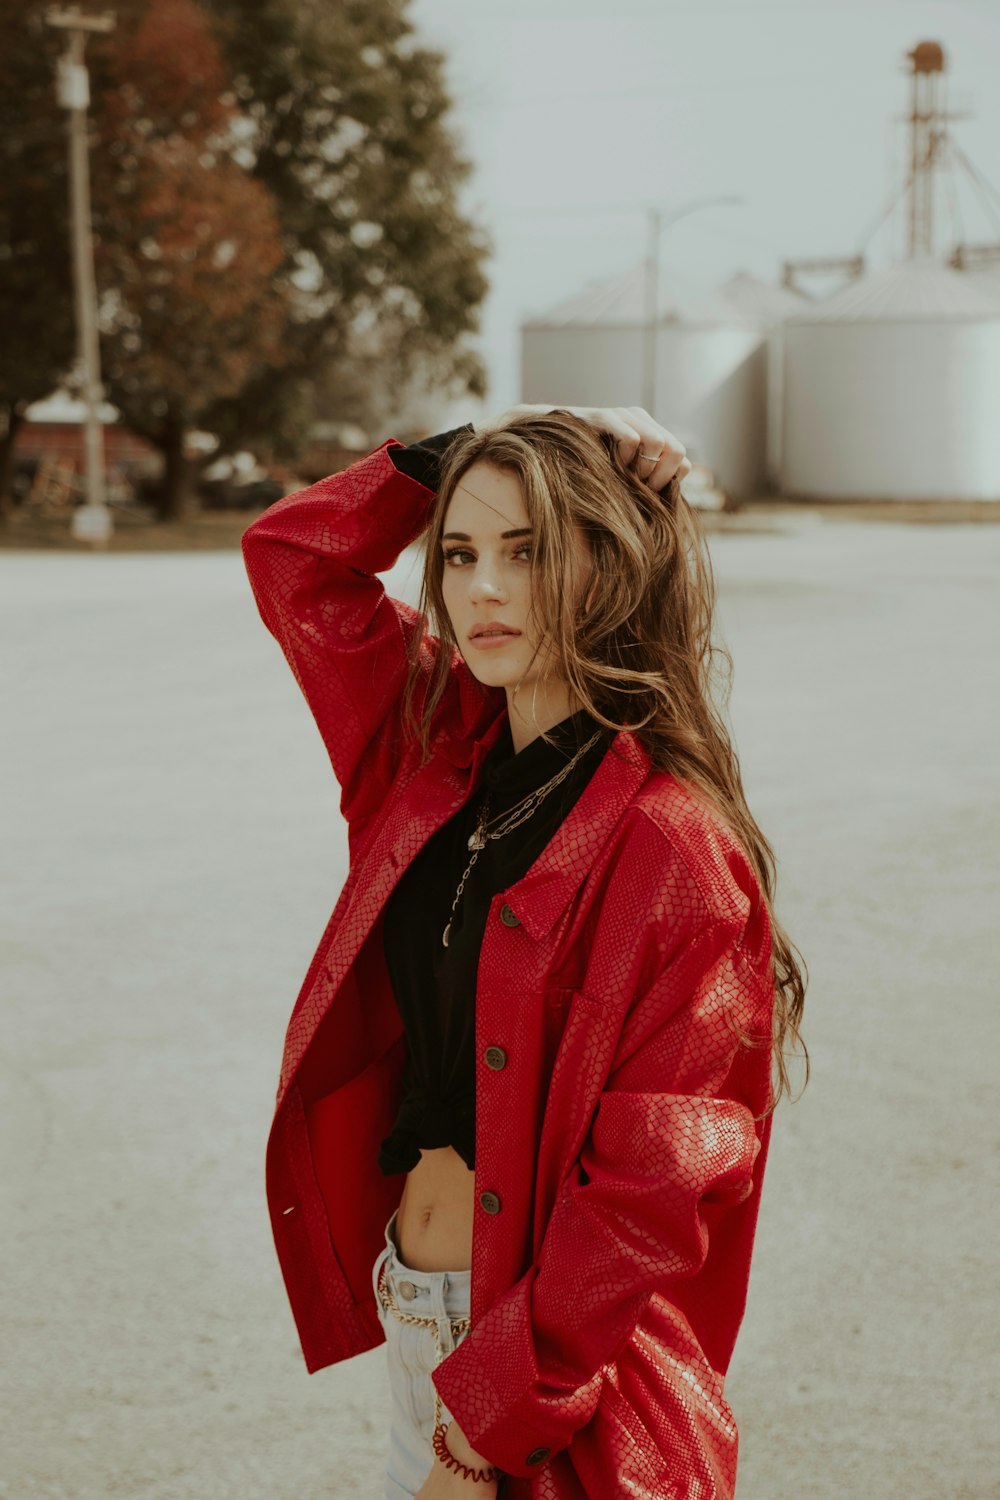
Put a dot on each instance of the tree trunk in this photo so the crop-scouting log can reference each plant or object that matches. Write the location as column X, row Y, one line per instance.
column 177, row 495
column 8, row 442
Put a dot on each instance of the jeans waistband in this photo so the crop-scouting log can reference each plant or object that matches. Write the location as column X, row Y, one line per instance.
column 437, row 1294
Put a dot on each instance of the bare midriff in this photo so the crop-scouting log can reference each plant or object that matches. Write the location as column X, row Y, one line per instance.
column 434, row 1219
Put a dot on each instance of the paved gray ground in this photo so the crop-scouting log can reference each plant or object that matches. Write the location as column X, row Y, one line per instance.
column 172, row 848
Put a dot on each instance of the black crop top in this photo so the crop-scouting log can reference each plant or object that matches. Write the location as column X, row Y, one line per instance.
column 434, row 985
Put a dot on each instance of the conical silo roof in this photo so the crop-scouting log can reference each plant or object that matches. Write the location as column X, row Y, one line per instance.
column 760, row 299
column 985, row 276
column 915, row 291
column 620, row 301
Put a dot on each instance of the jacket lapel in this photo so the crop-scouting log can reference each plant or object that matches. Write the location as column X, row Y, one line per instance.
column 464, row 751
column 544, row 892
column 537, row 899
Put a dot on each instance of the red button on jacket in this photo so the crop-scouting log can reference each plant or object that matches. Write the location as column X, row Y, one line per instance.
column 620, row 1138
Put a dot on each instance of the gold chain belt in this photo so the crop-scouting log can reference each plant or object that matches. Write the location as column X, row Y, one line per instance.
column 458, row 1325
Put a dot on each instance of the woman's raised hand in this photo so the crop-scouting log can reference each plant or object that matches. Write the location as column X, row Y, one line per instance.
column 636, row 431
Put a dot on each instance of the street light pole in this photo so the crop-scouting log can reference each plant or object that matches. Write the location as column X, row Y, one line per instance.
column 91, row 521
column 651, row 309
column 651, row 286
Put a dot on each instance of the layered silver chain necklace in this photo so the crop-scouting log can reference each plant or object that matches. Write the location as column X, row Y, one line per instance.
column 507, row 821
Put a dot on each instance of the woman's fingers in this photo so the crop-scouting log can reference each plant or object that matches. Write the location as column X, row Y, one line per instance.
column 636, row 433
column 657, row 472
column 659, row 455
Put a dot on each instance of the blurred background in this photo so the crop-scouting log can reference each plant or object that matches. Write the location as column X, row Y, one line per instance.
column 776, row 227
column 241, row 246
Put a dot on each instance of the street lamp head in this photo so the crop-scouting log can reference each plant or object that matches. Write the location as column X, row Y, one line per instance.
column 72, row 18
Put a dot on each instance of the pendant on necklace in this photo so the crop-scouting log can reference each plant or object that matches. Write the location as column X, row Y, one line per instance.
column 445, row 935
column 476, row 840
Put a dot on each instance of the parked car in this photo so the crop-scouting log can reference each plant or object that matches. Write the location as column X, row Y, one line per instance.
column 702, row 490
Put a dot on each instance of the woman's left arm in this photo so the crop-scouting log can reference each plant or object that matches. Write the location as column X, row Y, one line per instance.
column 631, row 1216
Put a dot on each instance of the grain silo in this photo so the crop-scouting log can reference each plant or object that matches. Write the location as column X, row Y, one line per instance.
column 710, row 367
column 986, row 276
column 891, row 389
column 768, row 306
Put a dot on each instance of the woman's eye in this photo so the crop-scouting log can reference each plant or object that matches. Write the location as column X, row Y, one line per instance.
column 458, row 554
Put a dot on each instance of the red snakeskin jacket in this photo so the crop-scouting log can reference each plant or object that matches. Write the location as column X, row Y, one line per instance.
column 618, row 1160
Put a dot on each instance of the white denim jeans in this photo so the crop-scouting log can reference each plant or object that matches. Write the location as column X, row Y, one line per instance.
column 412, row 1355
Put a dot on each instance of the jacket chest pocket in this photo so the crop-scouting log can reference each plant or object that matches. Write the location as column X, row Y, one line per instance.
column 561, row 999
column 565, row 1011
column 556, row 1003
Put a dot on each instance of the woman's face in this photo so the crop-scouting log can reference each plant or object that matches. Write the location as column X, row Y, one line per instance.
column 487, row 579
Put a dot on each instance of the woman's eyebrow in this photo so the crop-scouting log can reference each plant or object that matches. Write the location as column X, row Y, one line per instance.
column 463, row 536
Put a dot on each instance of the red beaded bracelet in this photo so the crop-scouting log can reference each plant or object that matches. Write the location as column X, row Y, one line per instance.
column 448, row 1458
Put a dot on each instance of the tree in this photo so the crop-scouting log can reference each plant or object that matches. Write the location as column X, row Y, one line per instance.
column 277, row 233
column 36, row 293
column 189, row 243
column 346, row 128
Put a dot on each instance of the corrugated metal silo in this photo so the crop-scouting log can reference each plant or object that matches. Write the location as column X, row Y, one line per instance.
column 711, row 367
column 891, row 389
column 768, row 306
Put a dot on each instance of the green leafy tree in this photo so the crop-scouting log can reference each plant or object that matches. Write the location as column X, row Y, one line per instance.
column 278, row 236
column 345, row 125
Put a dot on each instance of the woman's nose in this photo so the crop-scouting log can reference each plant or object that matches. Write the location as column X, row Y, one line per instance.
column 485, row 584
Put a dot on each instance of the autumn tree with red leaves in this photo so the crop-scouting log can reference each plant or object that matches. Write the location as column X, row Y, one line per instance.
column 278, row 239
column 188, row 242
column 36, row 291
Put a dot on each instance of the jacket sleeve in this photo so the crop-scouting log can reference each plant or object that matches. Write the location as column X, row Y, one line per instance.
column 312, row 558
column 630, row 1218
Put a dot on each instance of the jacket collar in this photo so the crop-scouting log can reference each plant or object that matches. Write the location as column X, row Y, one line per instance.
column 544, row 892
column 463, row 751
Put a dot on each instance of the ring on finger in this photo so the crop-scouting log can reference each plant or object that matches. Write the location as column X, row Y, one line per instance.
column 653, row 458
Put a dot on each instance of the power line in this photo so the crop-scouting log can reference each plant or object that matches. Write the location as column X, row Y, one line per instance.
column 668, row 93
column 703, row 8
column 982, row 182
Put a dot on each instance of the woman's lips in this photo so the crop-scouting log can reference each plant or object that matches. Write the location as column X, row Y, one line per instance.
column 489, row 641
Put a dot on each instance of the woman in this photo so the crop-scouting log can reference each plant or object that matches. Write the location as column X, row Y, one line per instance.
column 538, row 1033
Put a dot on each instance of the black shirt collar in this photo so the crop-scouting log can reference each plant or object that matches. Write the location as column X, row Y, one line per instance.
column 509, row 776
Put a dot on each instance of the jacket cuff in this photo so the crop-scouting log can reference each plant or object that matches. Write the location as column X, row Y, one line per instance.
column 516, row 1424
column 422, row 461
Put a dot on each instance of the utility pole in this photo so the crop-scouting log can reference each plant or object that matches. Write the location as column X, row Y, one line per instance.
column 92, row 521
column 651, row 308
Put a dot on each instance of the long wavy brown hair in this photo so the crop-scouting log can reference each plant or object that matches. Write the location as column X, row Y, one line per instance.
column 639, row 655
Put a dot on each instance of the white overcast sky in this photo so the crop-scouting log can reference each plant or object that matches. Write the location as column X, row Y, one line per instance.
column 579, row 113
